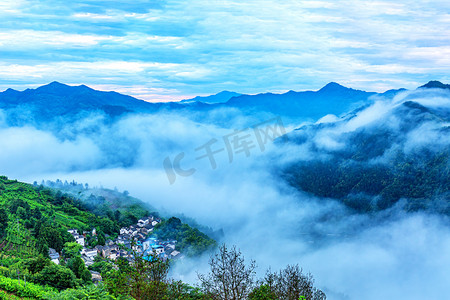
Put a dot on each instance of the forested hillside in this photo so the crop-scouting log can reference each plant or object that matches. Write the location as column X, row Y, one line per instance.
column 34, row 218
column 400, row 154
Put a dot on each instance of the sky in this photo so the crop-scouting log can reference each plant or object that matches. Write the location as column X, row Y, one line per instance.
column 172, row 50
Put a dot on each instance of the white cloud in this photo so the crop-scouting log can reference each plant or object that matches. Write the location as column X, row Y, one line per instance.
column 32, row 39
column 97, row 17
column 32, row 150
column 11, row 6
column 143, row 92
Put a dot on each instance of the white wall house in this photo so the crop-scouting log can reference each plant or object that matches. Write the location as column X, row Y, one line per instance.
column 80, row 240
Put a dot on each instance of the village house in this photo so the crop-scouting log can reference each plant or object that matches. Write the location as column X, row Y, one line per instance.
column 108, row 250
column 78, row 238
column 99, row 249
column 73, row 231
column 157, row 249
column 96, row 277
column 149, row 227
column 127, row 245
column 121, row 239
column 89, row 252
column 137, row 233
column 113, row 255
column 54, row 256
column 88, row 261
column 169, row 244
column 143, row 222
column 122, row 253
column 124, row 230
column 174, row 254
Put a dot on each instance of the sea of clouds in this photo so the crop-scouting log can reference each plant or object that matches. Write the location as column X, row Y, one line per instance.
column 386, row 255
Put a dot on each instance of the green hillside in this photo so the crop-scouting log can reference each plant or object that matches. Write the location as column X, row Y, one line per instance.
column 35, row 218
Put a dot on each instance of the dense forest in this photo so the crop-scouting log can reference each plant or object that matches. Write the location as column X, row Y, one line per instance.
column 377, row 165
column 421, row 182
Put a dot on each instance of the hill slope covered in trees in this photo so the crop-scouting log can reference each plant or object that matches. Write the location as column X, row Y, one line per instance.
column 395, row 150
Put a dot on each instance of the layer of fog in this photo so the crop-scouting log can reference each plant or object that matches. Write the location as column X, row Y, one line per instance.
column 392, row 255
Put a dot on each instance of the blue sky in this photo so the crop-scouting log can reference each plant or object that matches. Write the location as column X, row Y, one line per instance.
column 170, row 50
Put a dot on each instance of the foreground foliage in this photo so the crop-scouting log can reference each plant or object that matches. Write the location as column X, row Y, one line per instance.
column 35, row 218
column 230, row 278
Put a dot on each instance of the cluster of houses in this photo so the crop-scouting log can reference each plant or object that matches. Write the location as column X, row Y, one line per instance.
column 130, row 238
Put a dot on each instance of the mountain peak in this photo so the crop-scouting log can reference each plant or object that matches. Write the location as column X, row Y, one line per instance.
column 225, row 93
column 220, row 97
column 434, row 84
column 56, row 84
column 11, row 91
column 332, row 86
column 53, row 87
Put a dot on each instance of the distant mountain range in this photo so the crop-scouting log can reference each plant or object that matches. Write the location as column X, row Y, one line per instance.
column 331, row 99
column 59, row 100
column 221, row 97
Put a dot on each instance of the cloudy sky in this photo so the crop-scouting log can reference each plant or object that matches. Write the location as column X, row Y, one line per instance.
column 169, row 50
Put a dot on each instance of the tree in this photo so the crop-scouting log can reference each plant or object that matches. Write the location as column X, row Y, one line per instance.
column 76, row 264
column 177, row 290
column 230, row 278
column 52, row 237
column 3, row 221
column 16, row 203
column 101, row 265
column 57, row 276
column 263, row 292
column 71, row 249
column 86, row 276
column 42, row 247
column 117, row 215
column 85, row 293
column 35, row 265
column 21, row 213
column 108, row 226
column 143, row 278
column 101, row 238
column 148, row 278
column 116, row 281
column 291, row 284
column 66, row 236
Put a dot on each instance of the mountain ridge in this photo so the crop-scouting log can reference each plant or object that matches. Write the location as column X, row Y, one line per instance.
column 220, row 97
column 56, row 99
column 435, row 84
